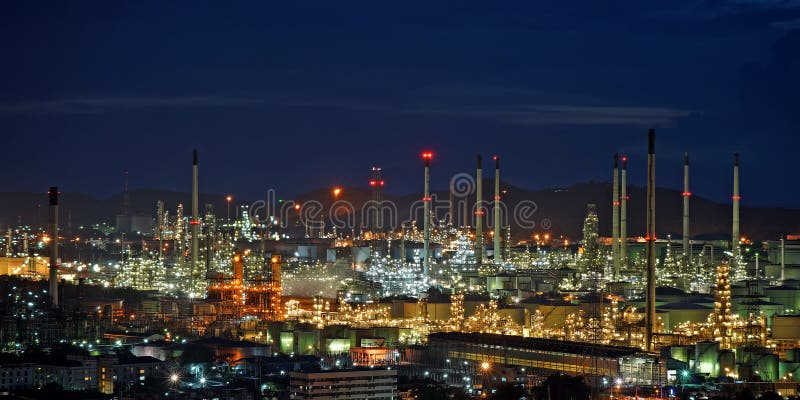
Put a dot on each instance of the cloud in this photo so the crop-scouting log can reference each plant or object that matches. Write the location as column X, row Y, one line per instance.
column 571, row 115
column 482, row 104
column 522, row 106
column 788, row 25
column 102, row 105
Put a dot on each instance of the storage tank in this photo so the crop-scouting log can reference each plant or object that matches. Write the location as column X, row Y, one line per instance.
column 789, row 367
column 766, row 367
column 761, row 360
column 727, row 362
column 706, row 355
column 793, row 355
column 680, row 353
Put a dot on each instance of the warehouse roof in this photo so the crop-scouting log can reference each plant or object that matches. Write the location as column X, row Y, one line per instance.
column 561, row 346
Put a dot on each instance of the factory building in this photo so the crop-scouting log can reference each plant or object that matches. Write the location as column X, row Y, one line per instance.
column 545, row 356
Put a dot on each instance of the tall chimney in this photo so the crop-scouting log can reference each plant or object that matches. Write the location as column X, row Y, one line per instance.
column 783, row 264
column 615, row 218
column 195, row 222
column 479, row 212
column 623, row 214
column 54, row 261
column 451, row 218
column 427, row 215
column 498, row 225
column 687, row 250
column 735, row 234
column 650, row 295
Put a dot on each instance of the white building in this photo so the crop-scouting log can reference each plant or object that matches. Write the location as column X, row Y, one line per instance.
column 344, row 384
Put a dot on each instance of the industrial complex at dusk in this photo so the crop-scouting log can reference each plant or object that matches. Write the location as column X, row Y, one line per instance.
column 294, row 264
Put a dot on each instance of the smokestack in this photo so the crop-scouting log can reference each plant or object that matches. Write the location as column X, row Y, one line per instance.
column 479, row 211
column 687, row 250
column 623, row 214
column 195, row 222
column 427, row 215
column 451, row 218
column 650, row 295
column 498, row 225
column 783, row 264
column 615, row 218
column 735, row 234
column 54, row 261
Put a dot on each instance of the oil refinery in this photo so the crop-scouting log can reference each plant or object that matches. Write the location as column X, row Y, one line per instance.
column 457, row 301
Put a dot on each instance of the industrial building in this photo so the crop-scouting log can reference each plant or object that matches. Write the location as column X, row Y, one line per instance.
column 364, row 384
column 544, row 356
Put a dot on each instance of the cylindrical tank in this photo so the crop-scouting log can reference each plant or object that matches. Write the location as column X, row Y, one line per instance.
column 680, row 353
column 793, row 355
column 706, row 355
column 726, row 362
column 766, row 367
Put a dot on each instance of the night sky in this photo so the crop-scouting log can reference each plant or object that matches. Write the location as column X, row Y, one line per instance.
column 279, row 95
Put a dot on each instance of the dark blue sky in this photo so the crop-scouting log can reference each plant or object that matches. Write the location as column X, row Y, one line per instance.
column 275, row 94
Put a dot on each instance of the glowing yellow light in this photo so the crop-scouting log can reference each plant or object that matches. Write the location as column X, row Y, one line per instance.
column 337, row 191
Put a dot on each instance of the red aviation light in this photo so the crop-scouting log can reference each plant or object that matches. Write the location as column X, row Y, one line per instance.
column 426, row 199
column 686, row 194
column 615, row 203
column 427, row 155
column 497, row 197
column 737, row 197
column 194, row 222
column 383, row 183
column 373, row 183
column 479, row 212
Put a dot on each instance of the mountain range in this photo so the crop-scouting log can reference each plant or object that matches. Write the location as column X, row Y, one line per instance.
column 556, row 211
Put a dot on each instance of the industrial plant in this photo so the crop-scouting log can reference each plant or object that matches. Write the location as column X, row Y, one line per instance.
column 286, row 292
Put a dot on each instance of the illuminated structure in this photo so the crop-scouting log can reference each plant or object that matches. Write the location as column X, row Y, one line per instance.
column 426, row 198
column 257, row 296
column 722, row 317
column 623, row 214
column 592, row 260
